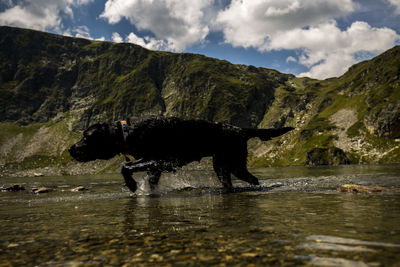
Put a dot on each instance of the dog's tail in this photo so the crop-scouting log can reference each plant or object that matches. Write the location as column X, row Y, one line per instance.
column 266, row 134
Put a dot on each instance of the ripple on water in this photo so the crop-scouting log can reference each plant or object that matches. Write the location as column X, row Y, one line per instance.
column 325, row 261
column 339, row 244
column 349, row 241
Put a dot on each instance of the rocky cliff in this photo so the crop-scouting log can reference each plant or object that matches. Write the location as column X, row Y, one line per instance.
column 52, row 87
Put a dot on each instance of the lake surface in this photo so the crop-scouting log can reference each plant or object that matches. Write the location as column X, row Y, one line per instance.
column 295, row 218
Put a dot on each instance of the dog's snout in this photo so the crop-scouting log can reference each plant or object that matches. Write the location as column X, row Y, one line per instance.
column 75, row 152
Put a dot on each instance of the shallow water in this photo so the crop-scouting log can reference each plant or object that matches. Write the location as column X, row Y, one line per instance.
column 295, row 218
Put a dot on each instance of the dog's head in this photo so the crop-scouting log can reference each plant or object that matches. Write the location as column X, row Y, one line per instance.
column 98, row 142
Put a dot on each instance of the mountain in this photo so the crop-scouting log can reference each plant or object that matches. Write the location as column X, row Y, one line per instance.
column 52, row 87
column 44, row 74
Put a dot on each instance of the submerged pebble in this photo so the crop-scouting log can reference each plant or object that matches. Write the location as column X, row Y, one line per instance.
column 41, row 190
column 13, row 188
column 79, row 188
column 355, row 188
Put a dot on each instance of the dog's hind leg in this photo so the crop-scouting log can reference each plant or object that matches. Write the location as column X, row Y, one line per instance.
column 222, row 172
column 238, row 167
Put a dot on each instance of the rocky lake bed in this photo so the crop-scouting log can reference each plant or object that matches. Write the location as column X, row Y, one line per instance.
column 296, row 216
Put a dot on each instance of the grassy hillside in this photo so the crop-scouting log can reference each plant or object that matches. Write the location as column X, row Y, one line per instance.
column 52, row 87
column 359, row 113
column 43, row 75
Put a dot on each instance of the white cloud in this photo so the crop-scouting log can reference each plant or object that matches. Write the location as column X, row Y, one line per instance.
column 395, row 3
column 149, row 42
column 116, row 37
column 329, row 51
column 307, row 26
column 291, row 59
column 250, row 23
column 146, row 41
column 39, row 14
column 83, row 2
column 31, row 17
column 179, row 23
column 82, row 32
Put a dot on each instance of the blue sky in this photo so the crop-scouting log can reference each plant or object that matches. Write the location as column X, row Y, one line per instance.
column 314, row 38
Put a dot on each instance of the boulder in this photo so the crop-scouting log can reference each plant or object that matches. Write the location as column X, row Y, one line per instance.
column 326, row 156
column 384, row 122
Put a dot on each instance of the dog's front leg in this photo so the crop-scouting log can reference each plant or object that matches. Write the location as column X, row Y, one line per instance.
column 137, row 166
column 154, row 177
column 129, row 181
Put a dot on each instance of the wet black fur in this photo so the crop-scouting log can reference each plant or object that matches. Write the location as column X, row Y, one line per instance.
column 165, row 144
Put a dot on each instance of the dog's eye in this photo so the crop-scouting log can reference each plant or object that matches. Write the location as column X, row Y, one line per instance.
column 87, row 133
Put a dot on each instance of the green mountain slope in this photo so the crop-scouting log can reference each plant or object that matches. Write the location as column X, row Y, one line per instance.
column 357, row 113
column 44, row 74
column 51, row 87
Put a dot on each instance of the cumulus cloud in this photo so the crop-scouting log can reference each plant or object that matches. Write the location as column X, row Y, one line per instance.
column 307, row 26
column 290, row 59
column 39, row 14
column 395, row 3
column 116, row 37
column 31, row 16
column 329, row 51
column 81, row 32
column 179, row 23
column 146, row 41
column 251, row 23
column 149, row 42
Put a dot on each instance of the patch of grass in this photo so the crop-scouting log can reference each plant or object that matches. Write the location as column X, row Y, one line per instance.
column 10, row 129
column 355, row 129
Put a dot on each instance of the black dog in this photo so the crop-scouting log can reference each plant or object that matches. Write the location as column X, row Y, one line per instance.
column 165, row 144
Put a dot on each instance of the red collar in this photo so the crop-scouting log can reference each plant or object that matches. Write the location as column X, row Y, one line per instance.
column 125, row 133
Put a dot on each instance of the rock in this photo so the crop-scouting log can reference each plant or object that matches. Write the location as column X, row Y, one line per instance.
column 37, row 174
column 41, row 190
column 366, row 189
column 326, row 156
column 203, row 257
column 79, row 188
column 14, row 188
column 249, row 255
column 384, row 122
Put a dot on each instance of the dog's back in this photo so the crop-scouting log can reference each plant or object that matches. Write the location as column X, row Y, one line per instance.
column 189, row 140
